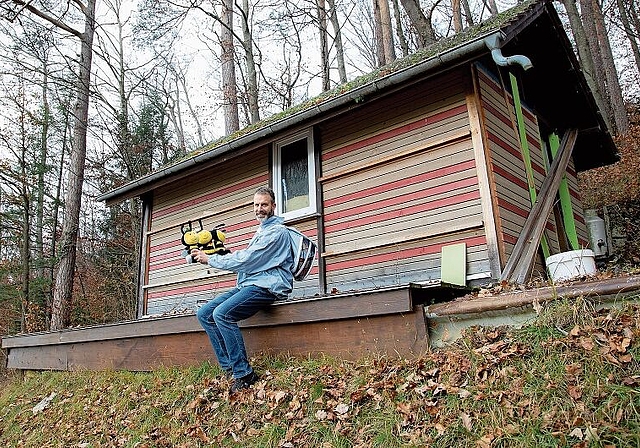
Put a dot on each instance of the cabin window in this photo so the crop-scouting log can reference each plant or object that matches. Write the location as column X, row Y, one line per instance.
column 294, row 176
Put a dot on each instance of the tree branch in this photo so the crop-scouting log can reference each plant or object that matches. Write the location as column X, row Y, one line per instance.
column 50, row 19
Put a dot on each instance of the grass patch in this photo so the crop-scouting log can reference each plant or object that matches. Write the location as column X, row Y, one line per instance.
column 570, row 378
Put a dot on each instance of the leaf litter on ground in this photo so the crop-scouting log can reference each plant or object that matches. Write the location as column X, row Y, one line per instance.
column 571, row 378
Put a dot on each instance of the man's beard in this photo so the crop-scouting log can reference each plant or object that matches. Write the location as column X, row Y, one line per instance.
column 262, row 219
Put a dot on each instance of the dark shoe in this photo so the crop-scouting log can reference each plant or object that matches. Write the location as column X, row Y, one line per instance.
column 244, row 383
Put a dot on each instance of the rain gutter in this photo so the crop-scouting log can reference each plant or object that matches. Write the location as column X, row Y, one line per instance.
column 494, row 44
column 448, row 58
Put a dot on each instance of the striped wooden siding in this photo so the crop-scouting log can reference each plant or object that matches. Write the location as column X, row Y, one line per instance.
column 540, row 169
column 576, row 203
column 223, row 194
column 507, row 163
column 398, row 190
column 512, row 196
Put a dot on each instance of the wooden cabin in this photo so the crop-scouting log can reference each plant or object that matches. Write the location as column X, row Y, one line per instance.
column 417, row 181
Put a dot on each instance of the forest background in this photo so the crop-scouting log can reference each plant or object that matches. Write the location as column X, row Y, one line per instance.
column 96, row 93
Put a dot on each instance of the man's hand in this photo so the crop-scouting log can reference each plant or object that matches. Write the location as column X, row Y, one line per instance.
column 200, row 256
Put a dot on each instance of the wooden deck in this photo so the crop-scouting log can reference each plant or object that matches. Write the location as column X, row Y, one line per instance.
column 351, row 326
column 391, row 322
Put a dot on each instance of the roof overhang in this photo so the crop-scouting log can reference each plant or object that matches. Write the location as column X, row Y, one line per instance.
column 555, row 88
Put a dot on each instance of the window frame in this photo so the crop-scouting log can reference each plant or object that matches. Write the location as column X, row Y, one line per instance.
column 311, row 209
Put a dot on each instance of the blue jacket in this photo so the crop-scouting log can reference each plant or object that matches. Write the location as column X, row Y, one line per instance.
column 267, row 261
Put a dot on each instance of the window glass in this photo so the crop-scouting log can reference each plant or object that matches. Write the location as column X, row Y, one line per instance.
column 294, row 178
column 294, row 183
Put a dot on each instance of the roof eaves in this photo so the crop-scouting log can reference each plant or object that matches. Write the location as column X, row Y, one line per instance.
column 443, row 53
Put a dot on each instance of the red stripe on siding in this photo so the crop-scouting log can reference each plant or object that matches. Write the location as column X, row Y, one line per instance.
column 492, row 83
column 394, row 132
column 528, row 114
column 509, row 238
column 451, row 169
column 155, row 260
column 533, row 141
column 575, row 194
column 420, row 194
column 510, row 177
column 521, row 212
column 512, row 208
column 515, row 152
column 168, row 244
column 380, row 217
column 400, row 255
column 166, row 256
column 191, row 289
column 257, row 181
column 504, row 145
column 498, row 114
column 176, row 261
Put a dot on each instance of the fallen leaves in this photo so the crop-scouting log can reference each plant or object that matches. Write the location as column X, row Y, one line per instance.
column 496, row 385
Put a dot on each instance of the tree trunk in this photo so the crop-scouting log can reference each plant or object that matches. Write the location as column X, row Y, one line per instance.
column 467, row 12
column 229, row 86
column 387, row 32
column 402, row 39
column 457, row 15
column 252, row 73
column 491, row 6
column 599, row 76
column 377, row 28
column 632, row 35
column 324, row 46
column 586, row 58
column 61, row 306
column 57, row 203
column 335, row 24
column 420, row 22
column 25, row 205
column 611, row 74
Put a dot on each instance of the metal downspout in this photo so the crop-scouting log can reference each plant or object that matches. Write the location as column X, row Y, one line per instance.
column 493, row 43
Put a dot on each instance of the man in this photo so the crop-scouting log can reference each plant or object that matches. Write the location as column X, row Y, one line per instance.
column 264, row 275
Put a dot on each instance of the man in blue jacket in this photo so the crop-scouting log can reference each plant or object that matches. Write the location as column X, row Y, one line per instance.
column 264, row 275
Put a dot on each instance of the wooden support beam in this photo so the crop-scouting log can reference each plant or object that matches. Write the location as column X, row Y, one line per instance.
column 519, row 264
column 593, row 289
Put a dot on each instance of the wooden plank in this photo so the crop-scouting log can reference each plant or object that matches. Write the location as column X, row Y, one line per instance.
column 400, row 334
column 402, row 107
column 137, row 354
column 428, row 137
column 519, row 264
column 403, row 235
column 358, row 305
column 403, row 335
column 486, row 181
column 134, row 328
column 415, row 173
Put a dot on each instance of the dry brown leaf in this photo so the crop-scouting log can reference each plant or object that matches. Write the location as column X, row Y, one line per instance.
column 466, row 421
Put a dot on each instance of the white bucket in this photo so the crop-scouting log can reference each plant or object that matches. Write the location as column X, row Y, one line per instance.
column 572, row 264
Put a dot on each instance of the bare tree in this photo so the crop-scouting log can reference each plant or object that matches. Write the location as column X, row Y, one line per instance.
column 62, row 296
column 605, row 75
column 387, row 31
column 324, row 45
column 402, row 39
column 420, row 22
column 631, row 26
column 337, row 39
column 586, row 58
column 250, row 62
column 229, row 86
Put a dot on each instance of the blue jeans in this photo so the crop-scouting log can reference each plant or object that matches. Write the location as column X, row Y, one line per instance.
column 220, row 318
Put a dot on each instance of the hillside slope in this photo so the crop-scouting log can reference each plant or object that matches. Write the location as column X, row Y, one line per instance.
column 570, row 378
